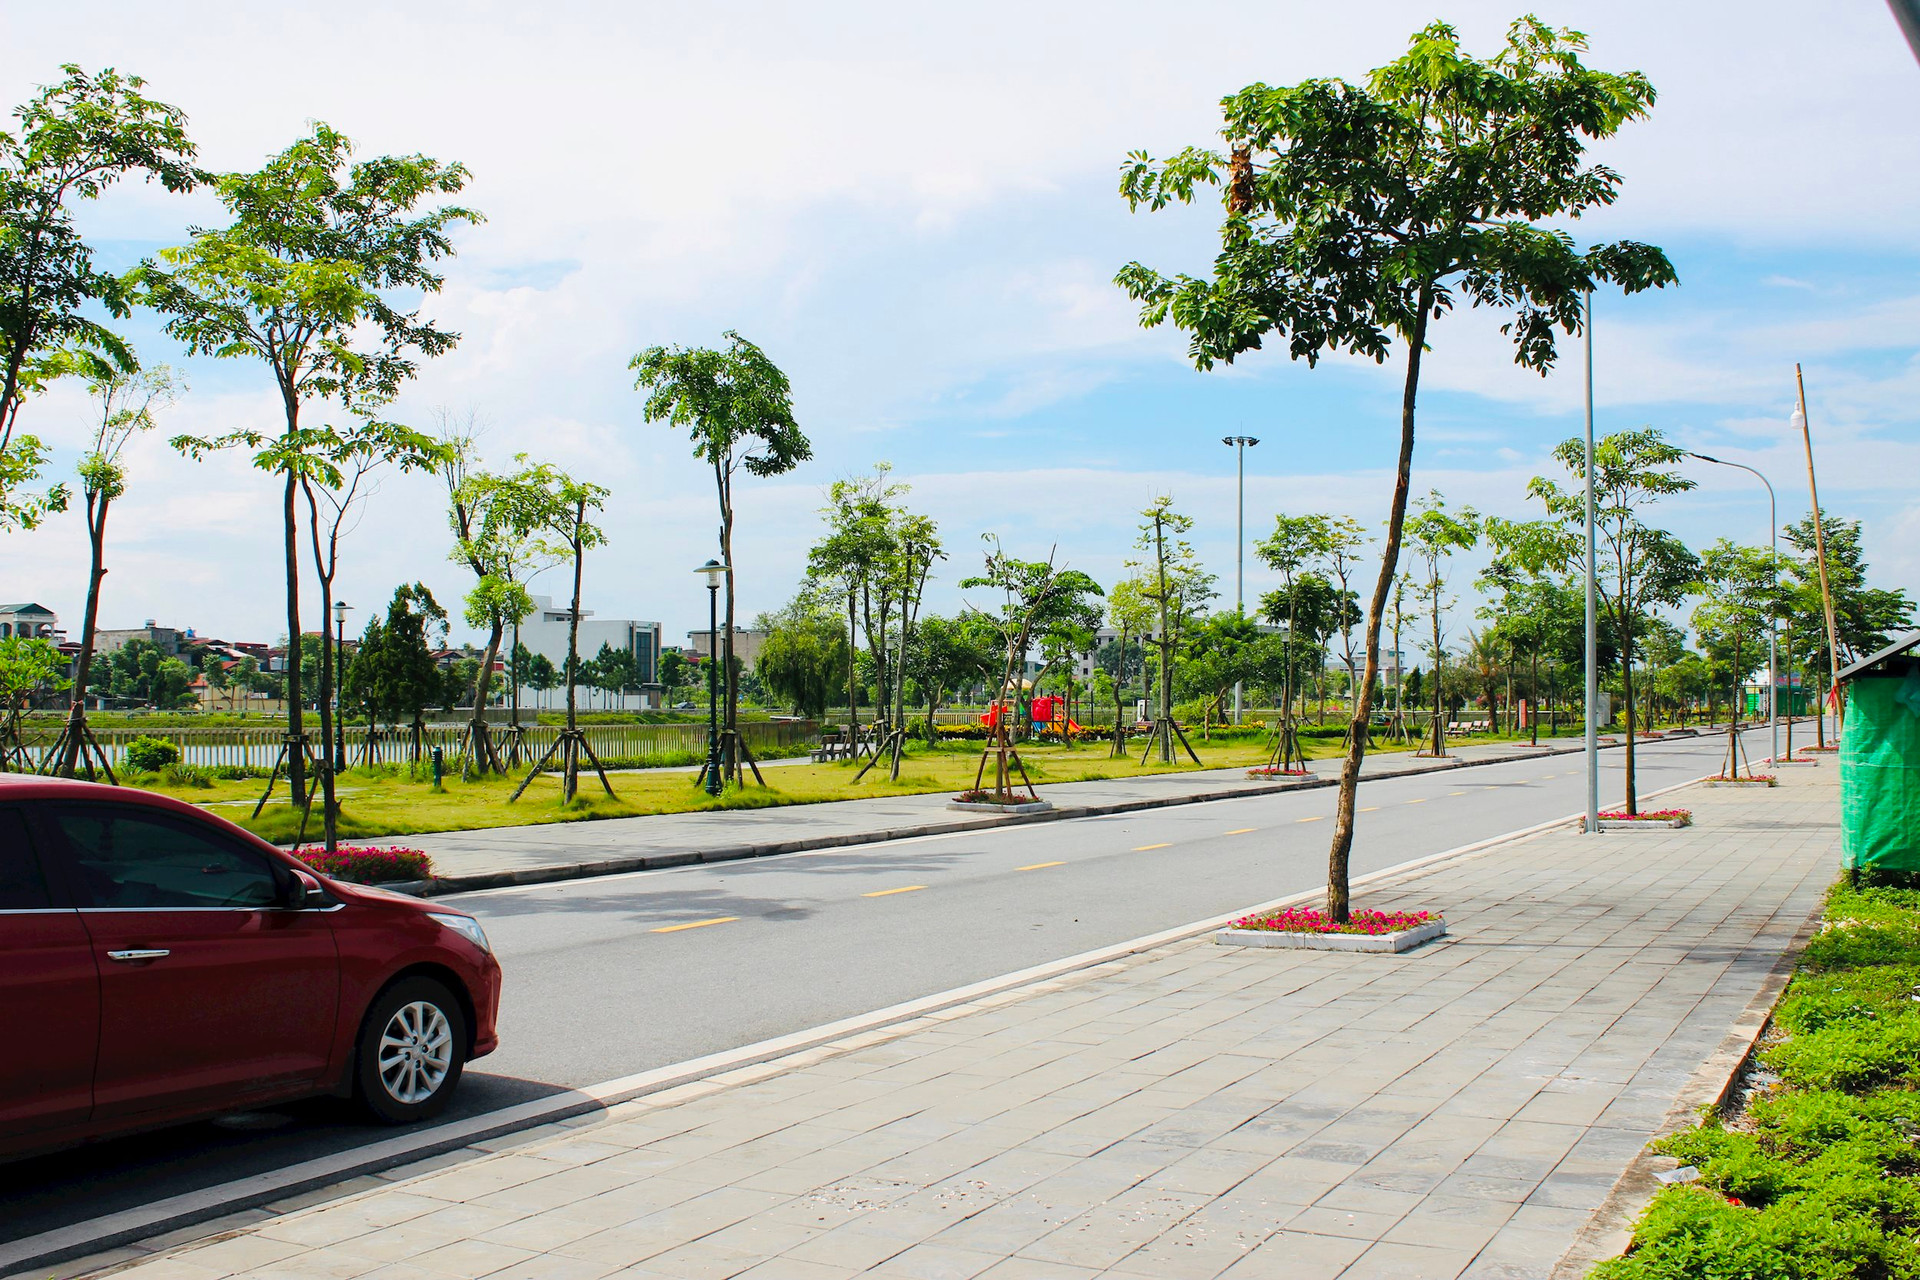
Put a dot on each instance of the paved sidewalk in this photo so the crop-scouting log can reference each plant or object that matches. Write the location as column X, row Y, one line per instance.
column 1194, row 1111
column 572, row 850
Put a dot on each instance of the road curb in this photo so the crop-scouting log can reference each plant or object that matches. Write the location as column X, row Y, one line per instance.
column 81, row 1240
column 441, row 886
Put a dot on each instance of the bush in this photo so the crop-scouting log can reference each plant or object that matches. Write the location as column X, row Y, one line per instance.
column 185, row 775
column 147, row 754
column 370, row 864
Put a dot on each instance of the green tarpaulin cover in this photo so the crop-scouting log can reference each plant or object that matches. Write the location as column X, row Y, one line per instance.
column 1880, row 774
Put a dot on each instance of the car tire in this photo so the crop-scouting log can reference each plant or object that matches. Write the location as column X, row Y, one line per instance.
column 412, row 1047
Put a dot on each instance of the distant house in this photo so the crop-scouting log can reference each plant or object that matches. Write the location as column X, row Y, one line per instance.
column 31, row 620
column 746, row 645
column 167, row 639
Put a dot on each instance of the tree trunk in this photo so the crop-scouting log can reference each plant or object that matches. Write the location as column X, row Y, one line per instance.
column 1437, row 730
column 853, row 674
column 1340, row 854
column 570, row 772
column 69, row 762
column 486, row 759
column 296, row 756
column 1533, row 688
column 729, row 722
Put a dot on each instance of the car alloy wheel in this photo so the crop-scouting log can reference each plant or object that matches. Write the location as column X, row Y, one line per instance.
column 416, row 1053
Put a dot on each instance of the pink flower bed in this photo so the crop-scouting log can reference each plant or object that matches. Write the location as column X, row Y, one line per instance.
column 1312, row 920
column 1271, row 771
column 1745, row 777
column 1819, row 750
column 988, row 797
column 1649, row 815
column 369, row 864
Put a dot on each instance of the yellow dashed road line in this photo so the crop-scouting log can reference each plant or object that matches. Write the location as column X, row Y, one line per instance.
column 1318, row 817
column 1243, row 831
column 882, row 893
column 1040, row 866
column 694, row 924
column 1372, row 808
column 1142, row 848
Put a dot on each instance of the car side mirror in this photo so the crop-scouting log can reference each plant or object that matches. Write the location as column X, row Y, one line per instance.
column 301, row 891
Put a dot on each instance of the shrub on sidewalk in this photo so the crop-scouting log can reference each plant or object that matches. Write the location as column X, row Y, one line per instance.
column 1816, row 1178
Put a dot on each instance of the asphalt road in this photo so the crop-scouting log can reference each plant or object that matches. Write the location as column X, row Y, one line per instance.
column 616, row 975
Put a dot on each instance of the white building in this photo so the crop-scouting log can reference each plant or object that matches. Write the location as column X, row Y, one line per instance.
column 30, row 620
column 545, row 632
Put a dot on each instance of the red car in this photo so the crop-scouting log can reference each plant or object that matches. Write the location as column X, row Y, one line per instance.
column 159, row 964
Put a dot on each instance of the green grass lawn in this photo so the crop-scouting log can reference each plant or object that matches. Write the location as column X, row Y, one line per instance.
column 387, row 804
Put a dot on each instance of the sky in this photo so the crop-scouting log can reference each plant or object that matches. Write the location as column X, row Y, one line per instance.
column 914, row 211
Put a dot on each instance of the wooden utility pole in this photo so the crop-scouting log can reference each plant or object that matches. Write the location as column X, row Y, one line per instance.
column 1820, row 554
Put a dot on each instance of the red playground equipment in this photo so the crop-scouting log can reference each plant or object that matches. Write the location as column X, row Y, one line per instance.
column 1046, row 714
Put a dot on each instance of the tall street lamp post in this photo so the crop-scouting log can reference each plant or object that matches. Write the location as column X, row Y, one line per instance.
column 340, row 608
column 715, row 572
column 1592, row 638
column 1239, row 444
column 1773, row 624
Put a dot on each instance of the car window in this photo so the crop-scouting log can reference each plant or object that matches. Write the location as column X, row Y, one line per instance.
column 22, row 885
column 126, row 859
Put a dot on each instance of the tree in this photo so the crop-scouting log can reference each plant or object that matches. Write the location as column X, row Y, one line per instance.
column 1035, row 595
column 1526, row 607
column 803, row 656
column 1436, row 534
column 493, row 519
column 558, row 506
column 948, row 654
column 673, row 671
column 738, row 407
column 1731, row 621
column 1864, row 617
column 1637, row 567
column 542, row 676
column 28, row 665
column 141, row 671
column 126, row 403
column 1344, row 543
column 393, row 674
column 307, row 279
column 1357, row 214
column 74, row 140
column 1178, row 587
column 1296, row 545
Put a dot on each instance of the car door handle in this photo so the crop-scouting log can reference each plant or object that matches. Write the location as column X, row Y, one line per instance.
column 135, row 957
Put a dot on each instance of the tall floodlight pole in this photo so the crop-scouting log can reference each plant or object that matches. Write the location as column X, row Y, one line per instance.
column 1239, row 445
column 1593, row 611
column 1773, row 623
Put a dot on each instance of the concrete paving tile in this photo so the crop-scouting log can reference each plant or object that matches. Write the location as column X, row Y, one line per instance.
column 1297, row 1255
column 553, row 1266
column 700, row 1261
column 178, row 1268
column 1391, row 1261
column 848, row 1246
column 464, row 1259
column 937, row 1262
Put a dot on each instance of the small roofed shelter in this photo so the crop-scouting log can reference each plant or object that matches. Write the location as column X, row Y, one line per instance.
column 1880, row 760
